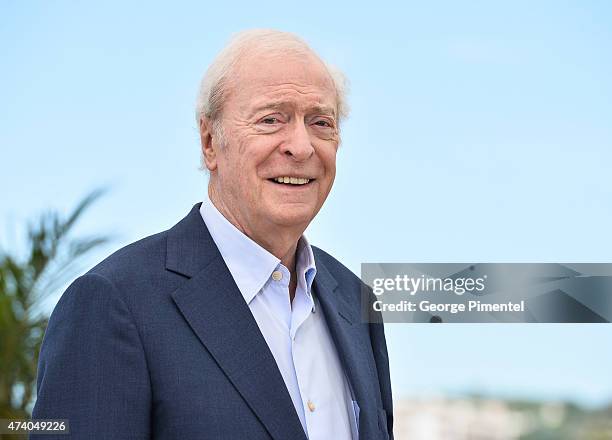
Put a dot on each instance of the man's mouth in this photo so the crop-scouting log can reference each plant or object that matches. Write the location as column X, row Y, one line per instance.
column 287, row 180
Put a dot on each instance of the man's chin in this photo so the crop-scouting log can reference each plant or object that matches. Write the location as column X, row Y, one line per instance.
column 292, row 216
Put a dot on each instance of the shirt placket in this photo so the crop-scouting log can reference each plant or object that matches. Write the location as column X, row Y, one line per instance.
column 302, row 360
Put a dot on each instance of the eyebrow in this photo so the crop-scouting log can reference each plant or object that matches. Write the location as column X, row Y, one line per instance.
column 279, row 105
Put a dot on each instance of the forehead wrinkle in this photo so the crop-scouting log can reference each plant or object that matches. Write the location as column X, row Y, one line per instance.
column 270, row 102
column 301, row 71
column 272, row 89
column 285, row 104
column 288, row 83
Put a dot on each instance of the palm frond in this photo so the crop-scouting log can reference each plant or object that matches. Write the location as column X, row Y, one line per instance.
column 51, row 259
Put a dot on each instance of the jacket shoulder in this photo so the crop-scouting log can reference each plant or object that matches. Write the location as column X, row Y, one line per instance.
column 144, row 255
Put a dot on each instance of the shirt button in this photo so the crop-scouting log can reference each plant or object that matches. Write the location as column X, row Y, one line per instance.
column 277, row 275
column 311, row 406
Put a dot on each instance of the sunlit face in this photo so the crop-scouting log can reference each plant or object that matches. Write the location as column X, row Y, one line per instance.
column 280, row 123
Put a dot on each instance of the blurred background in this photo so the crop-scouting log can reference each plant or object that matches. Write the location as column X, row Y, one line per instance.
column 480, row 132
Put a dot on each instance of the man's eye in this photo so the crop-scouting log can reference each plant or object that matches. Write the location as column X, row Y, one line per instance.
column 323, row 123
column 270, row 120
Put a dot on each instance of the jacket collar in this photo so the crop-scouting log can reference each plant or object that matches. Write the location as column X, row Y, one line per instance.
column 214, row 308
column 235, row 341
column 190, row 248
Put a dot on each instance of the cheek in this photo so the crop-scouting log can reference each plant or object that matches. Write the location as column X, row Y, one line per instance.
column 329, row 165
column 329, row 161
column 331, row 171
column 246, row 177
column 233, row 175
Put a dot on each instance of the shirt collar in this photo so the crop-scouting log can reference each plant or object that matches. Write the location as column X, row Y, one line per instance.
column 250, row 264
column 305, row 265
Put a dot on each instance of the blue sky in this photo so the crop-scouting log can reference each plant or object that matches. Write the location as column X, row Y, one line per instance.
column 480, row 132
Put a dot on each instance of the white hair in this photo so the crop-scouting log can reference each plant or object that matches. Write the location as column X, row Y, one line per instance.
column 214, row 83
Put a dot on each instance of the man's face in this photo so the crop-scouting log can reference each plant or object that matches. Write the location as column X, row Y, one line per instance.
column 280, row 122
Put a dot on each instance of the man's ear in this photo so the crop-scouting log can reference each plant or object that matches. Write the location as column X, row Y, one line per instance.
column 209, row 151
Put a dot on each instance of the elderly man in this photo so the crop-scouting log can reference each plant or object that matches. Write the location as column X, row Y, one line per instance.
column 230, row 325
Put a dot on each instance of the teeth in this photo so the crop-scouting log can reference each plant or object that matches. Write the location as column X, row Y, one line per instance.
column 292, row 180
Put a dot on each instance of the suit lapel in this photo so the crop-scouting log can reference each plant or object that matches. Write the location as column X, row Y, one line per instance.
column 343, row 322
column 216, row 311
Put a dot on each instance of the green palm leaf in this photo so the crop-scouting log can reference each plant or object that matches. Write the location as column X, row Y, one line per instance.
column 52, row 258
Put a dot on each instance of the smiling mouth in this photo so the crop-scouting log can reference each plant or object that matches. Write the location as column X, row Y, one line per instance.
column 291, row 181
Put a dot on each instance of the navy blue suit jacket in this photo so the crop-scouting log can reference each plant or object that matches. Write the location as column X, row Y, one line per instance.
column 157, row 342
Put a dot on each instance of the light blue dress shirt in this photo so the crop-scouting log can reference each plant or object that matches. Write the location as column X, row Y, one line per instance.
column 296, row 333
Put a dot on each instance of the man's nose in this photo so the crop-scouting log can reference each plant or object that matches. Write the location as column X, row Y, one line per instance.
column 298, row 145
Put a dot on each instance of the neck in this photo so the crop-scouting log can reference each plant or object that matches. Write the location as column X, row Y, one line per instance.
column 280, row 242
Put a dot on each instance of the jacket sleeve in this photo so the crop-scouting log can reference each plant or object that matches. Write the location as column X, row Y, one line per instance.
column 381, row 358
column 92, row 368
